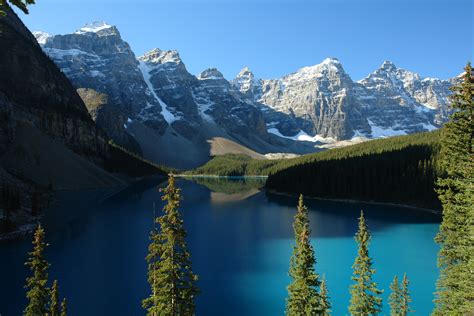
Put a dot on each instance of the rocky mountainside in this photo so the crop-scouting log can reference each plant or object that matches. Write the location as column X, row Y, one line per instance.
column 95, row 57
column 323, row 101
column 48, row 140
column 154, row 106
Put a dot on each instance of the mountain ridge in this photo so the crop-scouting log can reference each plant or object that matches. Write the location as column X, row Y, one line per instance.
column 309, row 109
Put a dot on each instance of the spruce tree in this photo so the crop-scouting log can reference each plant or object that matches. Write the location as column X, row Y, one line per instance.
column 172, row 282
column 365, row 296
column 399, row 298
column 454, row 295
column 303, row 295
column 64, row 307
column 395, row 298
column 326, row 305
column 54, row 307
column 405, row 297
column 38, row 292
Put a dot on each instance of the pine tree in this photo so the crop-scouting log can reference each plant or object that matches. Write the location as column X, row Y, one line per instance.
column 325, row 297
column 454, row 294
column 405, row 297
column 399, row 297
column 365, row 299
column 303, row 296
column 395, row 298
column 64, row 307
column 54, row 307
column 21, row 4
column 38, row 292
column 170, row 276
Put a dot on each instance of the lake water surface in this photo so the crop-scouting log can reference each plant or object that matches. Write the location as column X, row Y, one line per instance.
column 241, row 242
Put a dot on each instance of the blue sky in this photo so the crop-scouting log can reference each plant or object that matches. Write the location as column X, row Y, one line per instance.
column 277, row 37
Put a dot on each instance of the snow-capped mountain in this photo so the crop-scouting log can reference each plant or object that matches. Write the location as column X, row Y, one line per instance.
column 155, row 106
column 323, row 101
column 96, row 57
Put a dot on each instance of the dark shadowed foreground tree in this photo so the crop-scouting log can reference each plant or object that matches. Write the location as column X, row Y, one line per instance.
column 54, row 307
column 64, row 307
column 41, row 299
column 365, row 296
column 20, row 4
column 36, row 284
column 303, row 292
column 172, row 281
column 455, row 295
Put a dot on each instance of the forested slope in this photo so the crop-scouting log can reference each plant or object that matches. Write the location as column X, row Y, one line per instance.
column 395, row 170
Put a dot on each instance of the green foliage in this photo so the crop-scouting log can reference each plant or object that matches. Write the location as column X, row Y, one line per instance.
column 406, row 300
column 54, row 308
column 235, row 165
column 325, row 304
column 400, row 169
column 365, row 296
column 303, row 292
column 170, row 276
column 396, row 170
column 38, row 292
column 454, row 294
column 399, row 298
column 395, row 298
column 20, row 4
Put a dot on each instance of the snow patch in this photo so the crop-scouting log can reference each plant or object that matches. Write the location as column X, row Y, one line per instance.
column 93, row 27
column 41, row 37
column 382, row 132
column 302, row 136
column 204, row 104
column 56, row 53
column 169, row 117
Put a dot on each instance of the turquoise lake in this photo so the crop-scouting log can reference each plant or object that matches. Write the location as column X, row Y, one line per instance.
column 241, row 241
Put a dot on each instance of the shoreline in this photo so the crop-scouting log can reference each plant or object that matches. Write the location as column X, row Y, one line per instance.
column 428, row 210
column 27, row 228
column 216, row 176
column 270, row 191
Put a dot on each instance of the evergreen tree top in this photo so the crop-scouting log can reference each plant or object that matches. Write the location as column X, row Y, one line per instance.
column 363, row 234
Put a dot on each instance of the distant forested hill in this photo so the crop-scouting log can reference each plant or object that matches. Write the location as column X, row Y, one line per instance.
column 399, row 169
column 395, row 170
column 235, row 165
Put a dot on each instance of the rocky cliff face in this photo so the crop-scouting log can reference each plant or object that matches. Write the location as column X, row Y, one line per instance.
column 193, row 101
column 109, row 117
column 33, row 91
column 47, row 137
column 96, row 57
column 323, row 100
column 316, row 104
column 157, row 91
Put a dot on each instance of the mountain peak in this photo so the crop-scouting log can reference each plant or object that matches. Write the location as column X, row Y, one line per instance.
column 95, row 27
column 245, row 73
column 211, row 74
column 158, row 56
column 388, row 65
column 331, row 60
column 330, row 64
